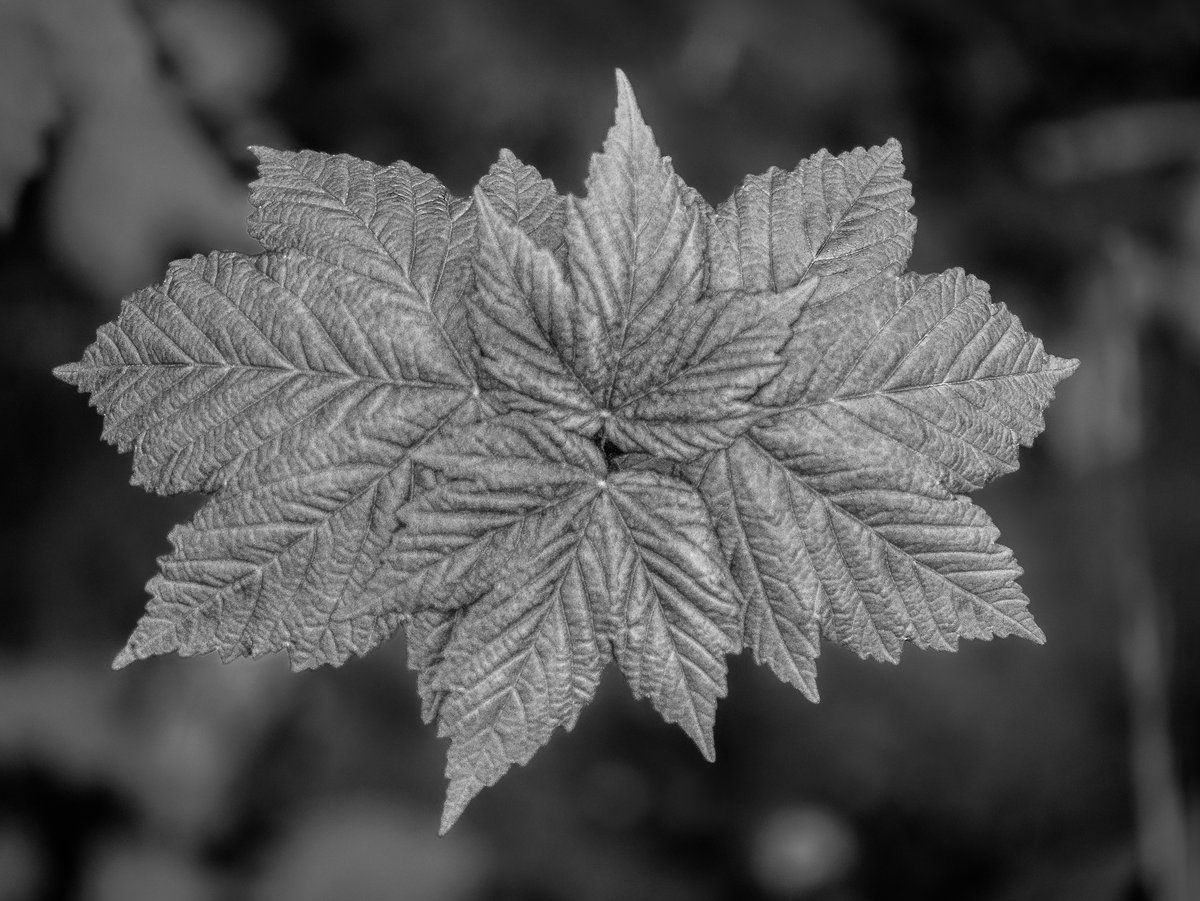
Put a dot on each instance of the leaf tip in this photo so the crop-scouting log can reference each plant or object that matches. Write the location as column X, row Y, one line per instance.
column 67, row 372
column 459, row 794
column 124, row 658
column 626, row 100
column 802, row 678
column 624, row 88
column 263, row 153
column 268, row 158
column 701, row 732
column 1066, row 365
column 152, row 636
column 300, row 661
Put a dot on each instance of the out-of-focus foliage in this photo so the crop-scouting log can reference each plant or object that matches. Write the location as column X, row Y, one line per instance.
column 130, row 176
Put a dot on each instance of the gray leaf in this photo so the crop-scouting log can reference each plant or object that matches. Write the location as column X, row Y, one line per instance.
column 924, row 371
column 841, row 218
column 520, row 194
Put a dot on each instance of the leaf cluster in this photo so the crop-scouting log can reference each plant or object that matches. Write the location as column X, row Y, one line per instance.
column 546, row 433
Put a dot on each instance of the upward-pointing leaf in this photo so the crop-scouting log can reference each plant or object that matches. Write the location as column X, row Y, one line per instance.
column 715, row 353
column 530, row 202
column 636, row 253
column 626, row 339
column 406, row 411
column 841, row 218
column 526, row 327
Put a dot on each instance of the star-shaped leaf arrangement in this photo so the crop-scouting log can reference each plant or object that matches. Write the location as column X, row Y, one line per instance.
column 546, row 433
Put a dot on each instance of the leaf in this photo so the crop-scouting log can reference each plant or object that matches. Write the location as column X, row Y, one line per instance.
column 841, row 218
column 393, row 224
column 520, row 194
column 680, row 611
column 714, row 363
column 525, row 326
column 924, row 371
column 547, row 433
column 840, row 515
column 636, row 253
column 625, row 339
column 522, row 660
column 294, row 387
column 550, row 560
column 821, row 546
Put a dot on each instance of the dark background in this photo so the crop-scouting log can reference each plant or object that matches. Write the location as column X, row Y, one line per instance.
column 1055, row 152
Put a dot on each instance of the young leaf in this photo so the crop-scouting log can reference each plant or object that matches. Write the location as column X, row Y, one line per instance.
column 715, row 354
column 399, row 410
column 716, row 358
column 636, row 255
column 679, row 613
column 525, row 325
column 626, row 339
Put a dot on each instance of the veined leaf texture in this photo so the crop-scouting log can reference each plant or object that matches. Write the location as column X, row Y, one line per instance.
column 401, row 410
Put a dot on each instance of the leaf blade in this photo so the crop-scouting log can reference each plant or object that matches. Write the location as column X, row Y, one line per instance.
column 702, row 393
column 926, row 372
column 524, row 327
column 395, row 224
column 680, row 607
column 287, row 557
column 636, row 250
column 520, row 194
column 516, row 669
column 841, row 218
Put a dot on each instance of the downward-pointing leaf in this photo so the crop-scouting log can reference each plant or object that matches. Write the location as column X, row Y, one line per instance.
column 507, row 594
column 869, row 560
column 678, row 612
column 556, row 566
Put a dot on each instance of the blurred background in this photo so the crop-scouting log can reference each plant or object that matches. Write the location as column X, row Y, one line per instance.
column 1055, row 151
